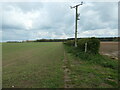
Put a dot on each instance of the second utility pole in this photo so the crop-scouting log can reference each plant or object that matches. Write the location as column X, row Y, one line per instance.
column 77, row 15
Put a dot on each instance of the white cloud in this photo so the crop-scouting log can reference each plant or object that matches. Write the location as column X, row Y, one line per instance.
column 99, row 33
column 28, row 24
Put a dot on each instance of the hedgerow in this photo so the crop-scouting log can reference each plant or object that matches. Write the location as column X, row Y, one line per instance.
column 70, row 42
column 93, row 44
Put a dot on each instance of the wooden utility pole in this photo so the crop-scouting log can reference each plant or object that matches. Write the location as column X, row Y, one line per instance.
column 76, row 19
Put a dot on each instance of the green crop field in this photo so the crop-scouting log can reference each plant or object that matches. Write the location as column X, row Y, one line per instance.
column 36, row 65
column 55, row 65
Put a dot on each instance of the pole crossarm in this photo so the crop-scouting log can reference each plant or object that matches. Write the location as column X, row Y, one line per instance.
column 76, row 6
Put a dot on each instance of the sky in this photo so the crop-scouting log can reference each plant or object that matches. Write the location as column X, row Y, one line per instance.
column 55, row 20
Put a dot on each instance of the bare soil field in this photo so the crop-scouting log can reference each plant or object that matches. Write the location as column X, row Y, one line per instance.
column 109, row 49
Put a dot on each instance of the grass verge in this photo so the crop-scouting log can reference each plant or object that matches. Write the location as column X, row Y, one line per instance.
column 91, row 70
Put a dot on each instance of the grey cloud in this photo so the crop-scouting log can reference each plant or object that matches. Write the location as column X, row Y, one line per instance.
column 15, row 35
column 9, row 27
column 24, row 6
column 98, row 16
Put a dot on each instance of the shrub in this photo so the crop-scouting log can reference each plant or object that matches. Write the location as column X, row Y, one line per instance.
column 93, row 45
column 70, row 42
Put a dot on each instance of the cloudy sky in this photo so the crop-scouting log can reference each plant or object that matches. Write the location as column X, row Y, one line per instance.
column 37, row 20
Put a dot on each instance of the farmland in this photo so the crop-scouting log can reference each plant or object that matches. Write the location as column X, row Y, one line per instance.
column 50, row 64
column 109, row 49
column 32, row 65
